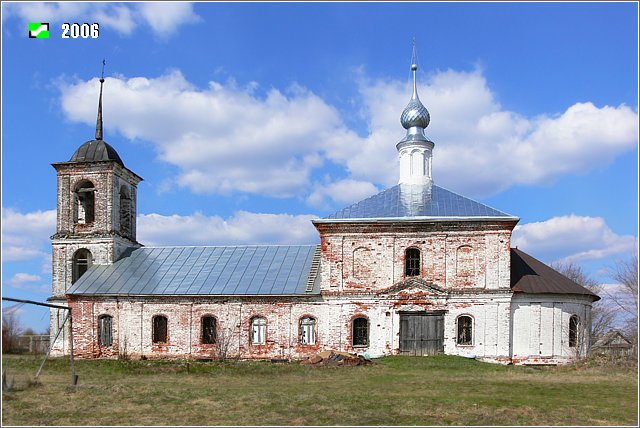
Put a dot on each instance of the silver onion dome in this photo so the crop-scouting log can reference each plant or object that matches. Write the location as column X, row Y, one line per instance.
column 415, row 114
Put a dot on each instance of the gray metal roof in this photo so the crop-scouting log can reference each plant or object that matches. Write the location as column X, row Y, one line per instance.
column 95, row 151
column 405, row 201
column 238, row 270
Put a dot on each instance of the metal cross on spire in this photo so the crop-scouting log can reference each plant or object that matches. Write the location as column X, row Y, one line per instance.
column 99, row 134
column 414, row 56
column 414, row 68
column 104, row 61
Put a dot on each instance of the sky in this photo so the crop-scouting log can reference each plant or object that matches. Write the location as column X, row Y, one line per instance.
column 247, row 120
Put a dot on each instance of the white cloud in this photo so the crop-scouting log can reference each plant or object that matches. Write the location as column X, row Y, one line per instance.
column 163, row 18
column 25, row 236
column 226, row 138
column 242, row 228
column 482, row 149
column 22, row 278
column 27, row 281
column 343, row 192
column 571, row 238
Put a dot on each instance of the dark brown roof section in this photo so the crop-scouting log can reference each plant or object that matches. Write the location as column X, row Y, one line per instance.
column 529, row 275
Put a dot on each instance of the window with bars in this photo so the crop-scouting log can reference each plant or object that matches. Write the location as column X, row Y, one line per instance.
column 465, row 330
column 208, row 330
column 160, row 327
column 412, row 262
column 308, row 331
column 258, row 331
column 105, row 334
column 360, row 332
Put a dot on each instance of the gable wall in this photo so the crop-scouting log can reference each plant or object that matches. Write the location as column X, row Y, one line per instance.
column 360, row 258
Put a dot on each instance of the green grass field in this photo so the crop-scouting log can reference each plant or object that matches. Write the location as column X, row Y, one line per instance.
column 441, row 390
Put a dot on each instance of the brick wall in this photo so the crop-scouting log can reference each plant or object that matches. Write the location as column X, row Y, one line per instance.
column 132, row 324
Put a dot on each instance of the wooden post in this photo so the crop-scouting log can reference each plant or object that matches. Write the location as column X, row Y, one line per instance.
column 51, row 345
column 74, row 377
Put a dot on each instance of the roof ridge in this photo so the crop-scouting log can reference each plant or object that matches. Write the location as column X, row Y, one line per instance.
column 471, row 199
column 417, row 201
column 226, row 246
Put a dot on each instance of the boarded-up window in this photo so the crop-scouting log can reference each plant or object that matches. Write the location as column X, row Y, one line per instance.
column 105, row 334
column 464, row 260
column 412, row 262
column 465, row 330
column 360, row 332
column 573, row 331
column 160, row 329
column 85, row 203
column 361, row 260
column 208, row 330
column 258, row 331
column 308, row 331
column 82, row 260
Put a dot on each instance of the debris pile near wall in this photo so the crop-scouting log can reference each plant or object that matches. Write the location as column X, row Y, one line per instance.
column 336, row 358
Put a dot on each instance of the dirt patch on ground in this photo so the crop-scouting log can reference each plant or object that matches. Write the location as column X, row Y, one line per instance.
column 336, row 358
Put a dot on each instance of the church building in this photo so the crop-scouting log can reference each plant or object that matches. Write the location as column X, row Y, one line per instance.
column 414, row 270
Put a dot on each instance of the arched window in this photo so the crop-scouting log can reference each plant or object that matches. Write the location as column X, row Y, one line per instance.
column 258, row 331
column 308, row 331
column 574, row 323
column 105, row 335
column 208, row 330
column 125, row 211
column 85, row 202
column 160, row 329
column 465, row 330
column 412, row 262
column 360, row 332
column 82, row 260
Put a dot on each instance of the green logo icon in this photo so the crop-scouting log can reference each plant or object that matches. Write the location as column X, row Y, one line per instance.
column 38, row 30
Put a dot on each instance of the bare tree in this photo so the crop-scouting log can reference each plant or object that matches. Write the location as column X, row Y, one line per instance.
column 225, row 341
column 602, row 314
column 625, row 297
column 10, row 331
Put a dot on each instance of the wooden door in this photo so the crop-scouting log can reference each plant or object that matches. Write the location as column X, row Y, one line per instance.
column 421, row 333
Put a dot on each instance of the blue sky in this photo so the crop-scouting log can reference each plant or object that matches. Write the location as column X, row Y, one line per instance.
column 247, row 120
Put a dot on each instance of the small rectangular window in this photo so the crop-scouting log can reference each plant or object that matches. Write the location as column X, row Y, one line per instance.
column 160, row 329
column 105, row 330
column 208, row 330
column 259, row 331
column 412, row 262
column 465, row 330
column 360, row 332
column 308, row 331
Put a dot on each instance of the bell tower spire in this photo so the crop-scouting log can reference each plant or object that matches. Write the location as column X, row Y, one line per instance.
column 99, row 120
column 415, row 149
